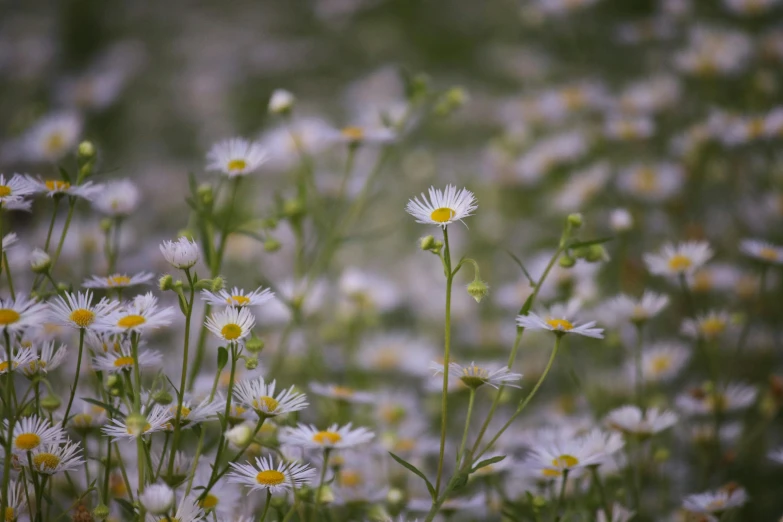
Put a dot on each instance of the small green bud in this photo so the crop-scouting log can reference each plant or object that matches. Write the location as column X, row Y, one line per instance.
column 254, row 344
column 163, row 397
column 427, row 243
column 539, row 501
column 272, row 245
column 205, row 194
column 51, row 403
column 106, row 225
column 86, row 150
column 178, row 285
column 279, row 502
column 575, row 220
column 293, row 209
column 166, row 283
column 478, row 290
column 217, row 284
column 326, row 495
column 661, row 455
column 269, row 223
column 451, row 101
column 101, row 512
column 437, row 248
column 62, row 287
column 204, row 284
column 596, row 253
column 377, row 513
column 566, row 261
column 251, row 362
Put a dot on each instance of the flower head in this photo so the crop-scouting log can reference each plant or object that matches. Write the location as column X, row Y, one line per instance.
column 33, row 432
column 236, row 157
column 443, row 206
column 265, row 475
column 560, row 319
column 632, row 420
column 21, row 313
column 182, row 253
column 139, row 315
column 260, row 396
column 77, row 311
column 118, row 280
column 335, row 436
column 237, row 297
column 762, row 251
column 54, row 458
column 683, row 258
column 475, row 376
column 117, row 198
column 232, row 324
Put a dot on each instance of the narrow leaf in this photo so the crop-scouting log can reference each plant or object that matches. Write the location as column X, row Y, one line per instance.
column 108, row 407
column 415, row 470
column 581, row 244
column 522, row 266
column 222, row 357
column 487, row 462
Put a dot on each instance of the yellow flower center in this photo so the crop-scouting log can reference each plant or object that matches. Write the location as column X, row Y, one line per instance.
column 4, row 366
column 131, row 321
column 770, row 254
column 82, row 317
column 756, row 127
column 565, row 461
column 702, row 281
column 405, row 445
column 353, row 133
column 349, row 479
column 118, row 280
column 54, row 142
column 10, row 515
column 442, row 215
column 238, row 300
column 660, row 364
column 231, row 331
column 270, row 477
column 712, row 326
column 53, row 185
column 5, row 191
column 147, row 428
column 209, row 502
column 646, row 180
column 46, row 461
column 8, row 316
column 679, row 263
column 342, row 392
column 121, row 362
column 327, row 437
column 560, row 324
column 27, row 441
column 82, row 420
column 269, row 403
column 551, row 473
column 237, row 164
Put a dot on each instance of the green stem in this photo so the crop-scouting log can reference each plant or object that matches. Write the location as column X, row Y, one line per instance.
column 266, row 505
column 446, row 357
column 327, row 453
column 11, row 416
column 467, row 424
column 561, row 497
column 638, row 365
column 75, row 377
column 601, row 492
column 64, row 233
column 227, row 411
column 225, row 232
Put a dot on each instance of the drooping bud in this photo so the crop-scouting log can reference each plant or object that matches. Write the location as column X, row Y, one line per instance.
column 251, row 363
column 478, row 290
column 239, row 435
column 427, row 243
column 451, row 101
column 254, row 344
column 157, row 499
column 101, row 512
column 165, row 283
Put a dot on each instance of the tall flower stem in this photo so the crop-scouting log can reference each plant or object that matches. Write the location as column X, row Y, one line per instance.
column 601, row 492
column 11, row 417
column 75, row 377
column 561, row 497
column 446, row 356
column 266, row 505
column 467, row 424
column 317, row 502
column 184, row 375
column 637, row 357
column 227, row 411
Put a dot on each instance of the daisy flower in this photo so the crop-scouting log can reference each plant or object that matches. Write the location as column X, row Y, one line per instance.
column 443, row 206
column 232, row 324
column 91, row 417
column 552, row 459
column 117, row 361
column 708, row 326
column 475, row 376
column 58, row 187
column 637, row 310
column 13, row 190
column 236, row 157
column 139, row 315
column 134, row 426
column 259, row 396
column 663, row 361
column 47, row 360
column 237, row 297
column 632, row 421
column 560, row 319
column 716, row 502
column 281, row 101
column 265, row 475
column 16, row 499
column 703, row 401
column 77, row 311
column 9, row 240
column 32, row 432
column 182, row 253
column 335, row 436
column 342, row 393
column 762, row 251
column 117, row 198
column 190, row 414
column 681, row 259
column 53, row 459
column 53, row 136
column 118, row 281
column 21, row 313
column 157, row 499
column 23, row 358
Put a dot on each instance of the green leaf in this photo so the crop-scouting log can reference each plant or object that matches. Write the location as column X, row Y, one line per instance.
column 581, row 244
column 527, row 305
column 487, row 462
column 65, row 175
column 222, row 357
column 108, row 407
column 415, row 470
column 524, row 270
column 127, row 506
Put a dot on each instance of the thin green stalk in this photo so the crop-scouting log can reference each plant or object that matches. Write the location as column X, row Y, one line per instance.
column 184, row 375
column 225, row 231
column 266, row 505
column 561, row 497
column 601, row 492
column 637, row 354
column 349, row 161
column 8, row 272
column 446, row 357
column 467, row 425
column 75, row 377
column 64, row 233
column 11, row 416
column 107, row 472
column 227, row 411
column 327, row 454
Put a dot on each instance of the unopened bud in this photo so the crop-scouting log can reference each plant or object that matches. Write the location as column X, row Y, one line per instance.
column 478, row 290
column 325, row 495
column 157, row 499
column 395, row 496
column 450, row 101
column 281, row 102
column 106, row 225
column 251, row 363
column 51, row 403
column 163, row 397
column 596, row 253
column 86, row 150
column 40, row 262
column 217, row 284
column 165, row 283
column 575, row 220
column 254, row 344
column 272, row 245
column 293, row 209
column 205, row 194
column 239, row 435
column 377, row 513
column 101, row 512
column 427, row 243
column 566, row 261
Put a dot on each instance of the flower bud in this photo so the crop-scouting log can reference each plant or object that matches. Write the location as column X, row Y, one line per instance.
column 566, row 261
column 395, row 496
column 166, row 283
column 254, row 344
column 478, row 290
column 325, row 496
column 251, row 363
column 451, row 101
column 40, row 262
column 106, row 225
column 293, row 209
column 86, row 150
column 271, row 245
column 596, row 253
column 101, row 512
column 281, row 102
column 240, row 435
column 205, row 194
column 217, row 284
column 377, row 513
column 157, row 499
column 163, row 397
column 51, row 403
column 427, row 243
column 575, row 220
column 136, row 423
